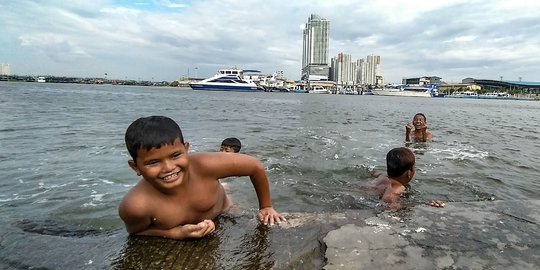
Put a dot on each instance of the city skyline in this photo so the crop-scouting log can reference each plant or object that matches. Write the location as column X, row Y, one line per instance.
column 163, row 40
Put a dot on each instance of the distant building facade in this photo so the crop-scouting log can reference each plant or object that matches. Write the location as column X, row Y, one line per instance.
column 315, row 49
column 368, row 70
column 343, row 70
column 6, row 70
column 422, row 80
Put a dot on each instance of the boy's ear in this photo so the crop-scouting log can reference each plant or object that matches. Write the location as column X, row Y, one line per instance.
column 186, row 145
column 410, row 174
column 134, row 167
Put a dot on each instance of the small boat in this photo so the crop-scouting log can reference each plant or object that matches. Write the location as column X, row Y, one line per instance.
column 463, row 94
column 367, row 92
column 408, row 90
column 495, row 95
column 319, row 90
column 40, row 79
column 228, row 80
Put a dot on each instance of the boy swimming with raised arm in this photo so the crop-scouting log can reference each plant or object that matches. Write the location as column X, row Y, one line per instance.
column 179, row 193
column 400, row 170
column 417, row 129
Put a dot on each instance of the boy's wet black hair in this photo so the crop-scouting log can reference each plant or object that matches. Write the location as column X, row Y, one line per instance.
column 151, row 132
column 398, row 161
column 421, row 114
column 233, row 143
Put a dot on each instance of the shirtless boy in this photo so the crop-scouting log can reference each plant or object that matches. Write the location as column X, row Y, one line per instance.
column 179, row 193
column 400, row 170
column 417, row 129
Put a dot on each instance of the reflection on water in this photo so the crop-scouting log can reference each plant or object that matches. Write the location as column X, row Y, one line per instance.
column 232, row 246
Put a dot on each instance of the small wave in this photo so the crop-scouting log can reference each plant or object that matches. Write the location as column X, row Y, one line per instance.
column 464, row 152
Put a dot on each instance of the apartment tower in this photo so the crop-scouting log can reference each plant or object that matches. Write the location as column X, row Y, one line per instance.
column 315, row 51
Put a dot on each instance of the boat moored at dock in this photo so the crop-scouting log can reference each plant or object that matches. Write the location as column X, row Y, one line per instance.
column 408, row 90
column 464, row 94
column 228, row 80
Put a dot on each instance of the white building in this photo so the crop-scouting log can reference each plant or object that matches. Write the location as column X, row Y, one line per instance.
column 343, row 70
column 315, row 49
column 6, row 70
column 368, row 70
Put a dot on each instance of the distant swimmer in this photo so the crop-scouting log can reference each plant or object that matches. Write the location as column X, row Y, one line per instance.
column 400, row 170
column 417, row 129
column 230, row 145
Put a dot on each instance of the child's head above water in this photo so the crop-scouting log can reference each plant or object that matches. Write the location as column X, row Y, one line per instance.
column 151, row 132
column 230, row 145
column 399, row 161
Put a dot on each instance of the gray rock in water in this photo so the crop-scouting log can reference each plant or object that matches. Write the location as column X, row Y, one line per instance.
column 480, row 235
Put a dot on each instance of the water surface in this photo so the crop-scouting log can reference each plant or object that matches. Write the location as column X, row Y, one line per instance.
column 64, row 160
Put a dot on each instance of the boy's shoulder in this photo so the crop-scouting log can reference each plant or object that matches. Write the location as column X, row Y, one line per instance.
column 138, row 193
column 397, row 187
column 138, row 201
column 204, row 157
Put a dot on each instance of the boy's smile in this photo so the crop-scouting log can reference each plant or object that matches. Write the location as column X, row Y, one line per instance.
column 162, row 167
column 418, row 122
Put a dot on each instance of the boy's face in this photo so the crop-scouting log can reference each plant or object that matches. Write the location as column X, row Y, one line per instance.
column 228, row 149
column 163, row 167
column 419, row 122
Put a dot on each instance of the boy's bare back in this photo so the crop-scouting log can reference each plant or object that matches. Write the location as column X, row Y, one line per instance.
column 388, row 190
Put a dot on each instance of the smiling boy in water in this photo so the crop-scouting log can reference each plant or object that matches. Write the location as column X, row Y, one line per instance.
column 179, row 193
column 417, row 129
column 400, row 170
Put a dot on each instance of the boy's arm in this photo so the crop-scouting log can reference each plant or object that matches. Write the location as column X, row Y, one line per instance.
column 199, row 230
column 408, row 129
column 137, row 222
column 259, row 179
column 222, row 165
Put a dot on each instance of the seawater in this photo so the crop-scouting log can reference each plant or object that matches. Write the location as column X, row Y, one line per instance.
column 63, row 157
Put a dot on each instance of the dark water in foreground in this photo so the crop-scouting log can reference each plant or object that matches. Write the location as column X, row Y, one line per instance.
column 64, row 163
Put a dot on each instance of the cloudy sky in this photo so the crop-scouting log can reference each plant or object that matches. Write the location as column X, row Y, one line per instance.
column 165, row 39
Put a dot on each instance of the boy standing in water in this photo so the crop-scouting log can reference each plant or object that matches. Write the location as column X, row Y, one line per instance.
column 400, row 168
column 417, row 129
column 179, row 193
column 230, row 145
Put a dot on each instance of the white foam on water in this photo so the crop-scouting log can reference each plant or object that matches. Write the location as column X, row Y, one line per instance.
column 459, row 152
column 107, row 181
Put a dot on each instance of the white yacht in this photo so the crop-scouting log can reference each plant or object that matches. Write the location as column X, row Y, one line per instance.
column 408, row 90
column 464, row 94
column 228, row 80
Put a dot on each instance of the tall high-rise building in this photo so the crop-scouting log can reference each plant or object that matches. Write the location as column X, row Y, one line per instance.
column 342, row 69
column 315, row 51
column 368, row 70
column 6, row 70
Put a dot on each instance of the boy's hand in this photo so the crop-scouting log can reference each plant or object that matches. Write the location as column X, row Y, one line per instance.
column 436, row 204
column 409, row 126
column 199, row 230
column 268, row 215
